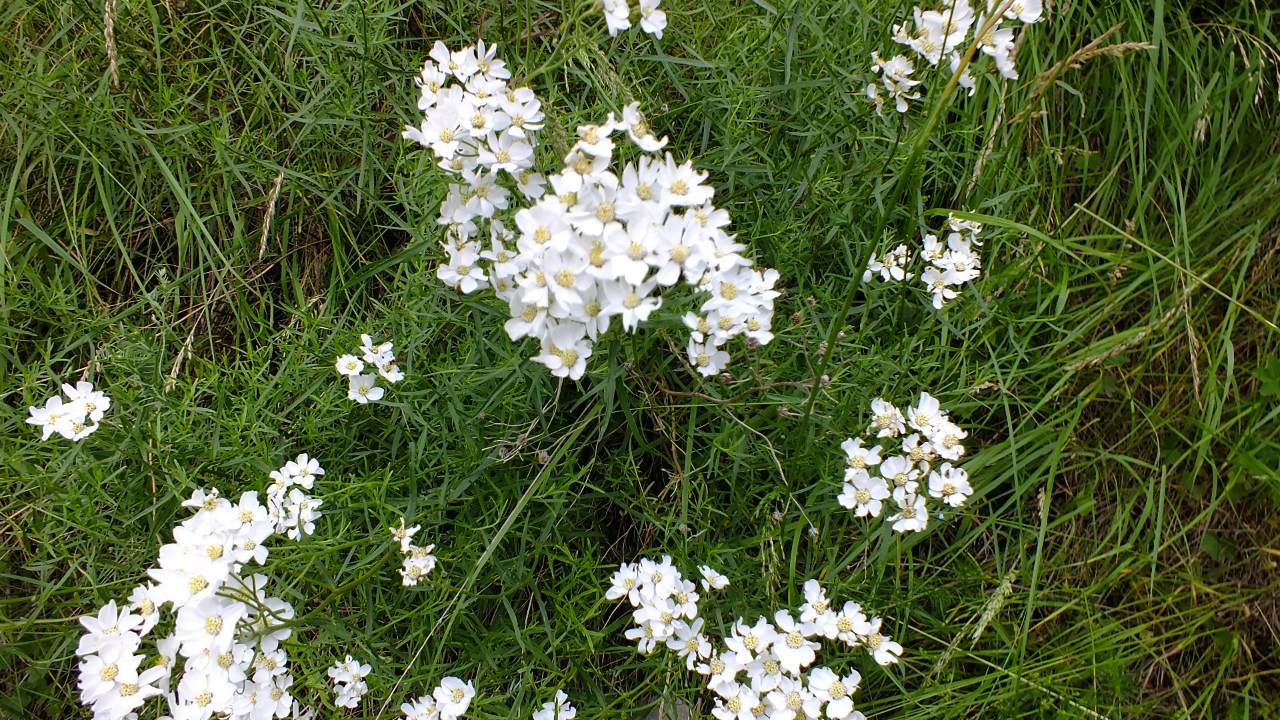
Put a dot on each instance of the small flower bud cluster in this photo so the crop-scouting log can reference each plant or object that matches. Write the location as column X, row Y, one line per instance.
column 293, row 511
column 74, row 419
column 347, row 678
column 364, row 388
column 757, row 672
column 950, row 264
column 449, row 701
column 617, row 15
column 418, row 561
column 225, row 630
column 870, row 472
column 943, row 33
column 558, row 709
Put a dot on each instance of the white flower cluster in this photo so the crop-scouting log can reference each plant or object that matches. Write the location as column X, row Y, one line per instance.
column 605, row 246
column 418, row 561
column 347, row 678
column 757, row 672
column 942, row 33
column 364, row 388
column 74, row 419
column 293, row 511
column 617, row 15
column 226, row 630
column 481, row 129
column 950, row 264
column 935, row 438
column 449, row 701
column 558, row 709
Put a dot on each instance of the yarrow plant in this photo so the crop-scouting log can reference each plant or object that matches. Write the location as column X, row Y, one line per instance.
column 601, row 245
column 618, row 15
column 418, row 561
column 942, row 33
column 449, row 701
column 75, row 418
column 363, row 387
column 222, row 627
column 759, row 670
column 950, row 264
column 347, row 678
column 910, row 474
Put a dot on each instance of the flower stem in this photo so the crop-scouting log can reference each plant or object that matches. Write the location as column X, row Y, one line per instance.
column 908, row 172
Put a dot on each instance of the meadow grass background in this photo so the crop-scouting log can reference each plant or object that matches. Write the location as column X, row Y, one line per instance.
column 1117, row 363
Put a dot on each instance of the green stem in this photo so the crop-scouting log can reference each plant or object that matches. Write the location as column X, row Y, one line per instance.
column 908, row 171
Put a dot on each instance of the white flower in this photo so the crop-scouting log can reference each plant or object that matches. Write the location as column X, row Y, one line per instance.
column 110, row 632
column 792, row 700
column 94, row 403
column 424, row 708
column 208, row 626
column 565, row 350
column 652, row 20
column 835, row 691
column 617, row 15
column 950, row 484
column 364, row 389
column 712, row 580
column 884, row 650
column 912, row 514
column 888, row 420
column 901, row 473
column 349, row 365
column 689, row 643
column 793, row 648
column 558, row 709
column 864, row 495
column 453, row 697
column 735, row 702
column 707, row 358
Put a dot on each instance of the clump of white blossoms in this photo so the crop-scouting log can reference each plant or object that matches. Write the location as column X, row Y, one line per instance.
column 418, row 561
column 74, row 418
column 483, row 132
column 363, row 387
column 759, row 670
column 907, row 468
column 600, row 245
column 223, row 631
column 950, row 264
column 942, row 33
column 618, row 15
column 293, row 511
column 347, row 678
column 449, row 701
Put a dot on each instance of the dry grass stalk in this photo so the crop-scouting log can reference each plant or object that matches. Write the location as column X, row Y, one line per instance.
column 109, row 32
column 269, row 213
column 1094, row 49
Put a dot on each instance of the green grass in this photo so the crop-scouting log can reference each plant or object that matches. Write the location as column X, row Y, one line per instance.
column 1117, row 362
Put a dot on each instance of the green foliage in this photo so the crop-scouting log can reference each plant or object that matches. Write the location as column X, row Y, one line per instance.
column 1117, row 361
